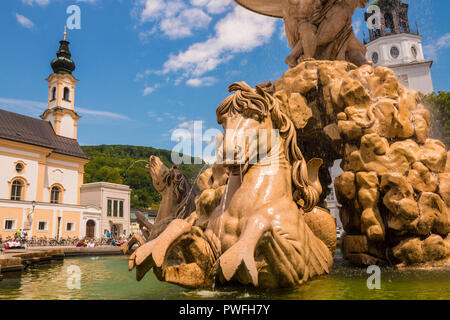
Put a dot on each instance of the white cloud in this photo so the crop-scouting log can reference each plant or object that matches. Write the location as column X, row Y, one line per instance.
column 239, row 31
column 24, row 21
column 188, row 129
column 212, row 6
column 36, row 108
column 201, row 82
column 431, row 50
column 151, row 10
column 33, row 108
column 142, row 75
column 106, row 114
column 174, row 17
column 357, row 26
column 150, row 89
column 143, row 35
column 182, row 25
column 41, row 3
column 165, row 116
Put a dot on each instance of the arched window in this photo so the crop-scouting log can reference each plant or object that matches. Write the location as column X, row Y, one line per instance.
column 66, row 94
column 16, row 190
column 54, row 94
column 55, row 195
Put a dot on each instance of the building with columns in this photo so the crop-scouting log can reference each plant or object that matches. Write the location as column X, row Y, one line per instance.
column 42, row 170
column 397, row 46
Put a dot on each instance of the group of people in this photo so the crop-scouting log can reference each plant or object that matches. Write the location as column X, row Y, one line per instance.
column 86, row 243
column 16, row 241
column 118, row 242
column 111, row 240
column 13, row 244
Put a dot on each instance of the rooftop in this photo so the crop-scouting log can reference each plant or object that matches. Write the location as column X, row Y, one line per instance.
column 109, row 185
column 24, row 129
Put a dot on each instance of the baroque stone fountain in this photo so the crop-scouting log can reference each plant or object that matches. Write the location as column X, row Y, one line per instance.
column 263, row 221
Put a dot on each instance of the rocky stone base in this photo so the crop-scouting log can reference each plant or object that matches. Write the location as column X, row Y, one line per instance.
column 395, row 189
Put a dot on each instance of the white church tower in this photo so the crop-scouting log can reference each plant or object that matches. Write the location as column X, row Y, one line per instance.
column 396, row 46
column 61, row 94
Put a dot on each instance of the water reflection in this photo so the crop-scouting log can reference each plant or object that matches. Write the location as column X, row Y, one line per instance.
column 108, row 278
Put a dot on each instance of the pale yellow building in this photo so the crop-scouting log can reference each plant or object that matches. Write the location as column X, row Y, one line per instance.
column 42, row 168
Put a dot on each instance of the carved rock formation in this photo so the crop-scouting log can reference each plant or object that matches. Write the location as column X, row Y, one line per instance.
column 395, row 189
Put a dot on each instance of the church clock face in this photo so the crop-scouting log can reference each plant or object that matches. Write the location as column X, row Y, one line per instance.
column 375, row 57
column 395, row 52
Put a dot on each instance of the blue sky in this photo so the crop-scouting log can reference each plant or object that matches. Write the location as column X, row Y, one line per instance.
column 147, row 67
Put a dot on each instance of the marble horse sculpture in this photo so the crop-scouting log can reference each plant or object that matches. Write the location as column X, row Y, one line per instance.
column 257, row 234
column 178, row 201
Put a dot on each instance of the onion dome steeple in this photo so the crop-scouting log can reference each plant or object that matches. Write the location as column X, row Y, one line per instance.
column 61, row 94
column 63, row 64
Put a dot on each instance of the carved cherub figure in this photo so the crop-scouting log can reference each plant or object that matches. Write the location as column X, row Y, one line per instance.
column 299, row 16
column 321, row 29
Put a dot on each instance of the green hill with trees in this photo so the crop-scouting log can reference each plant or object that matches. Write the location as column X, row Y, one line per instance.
column 439, row 105
column 117, row 164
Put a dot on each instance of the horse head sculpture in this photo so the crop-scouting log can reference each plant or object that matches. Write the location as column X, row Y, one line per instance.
column 178, row 200
column 257, row 234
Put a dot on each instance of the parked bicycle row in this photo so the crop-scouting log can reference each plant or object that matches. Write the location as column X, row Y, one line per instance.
column 22, row 241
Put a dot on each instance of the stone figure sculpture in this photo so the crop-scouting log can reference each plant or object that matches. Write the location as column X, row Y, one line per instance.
column 257, row 234
column 319, row 29
column 178, row 201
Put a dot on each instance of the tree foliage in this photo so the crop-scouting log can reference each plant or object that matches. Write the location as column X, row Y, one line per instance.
column 439, row 106
column 126, row 165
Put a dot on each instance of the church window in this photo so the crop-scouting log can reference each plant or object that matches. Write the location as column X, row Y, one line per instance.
column 55, row 195
column 16, row 190
column 54, row 94
column 19, row 167
column 414, row 51
column 66, row 94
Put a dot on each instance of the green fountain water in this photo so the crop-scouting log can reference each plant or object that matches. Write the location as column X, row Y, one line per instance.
column 108, row 278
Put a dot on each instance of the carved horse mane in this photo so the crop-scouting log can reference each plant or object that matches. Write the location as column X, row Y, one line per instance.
column 248, row 101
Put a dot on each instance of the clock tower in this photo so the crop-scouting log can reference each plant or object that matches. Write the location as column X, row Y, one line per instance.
column 392, row 43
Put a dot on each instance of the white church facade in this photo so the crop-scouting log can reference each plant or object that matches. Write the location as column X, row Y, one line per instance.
column 42, row 170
